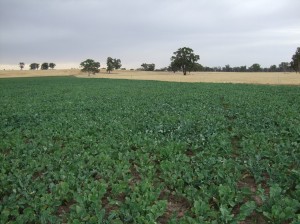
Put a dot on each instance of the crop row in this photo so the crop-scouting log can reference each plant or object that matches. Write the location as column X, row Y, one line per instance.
column 117, row 151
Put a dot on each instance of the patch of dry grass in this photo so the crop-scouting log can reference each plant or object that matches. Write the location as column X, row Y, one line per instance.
column 215, row 77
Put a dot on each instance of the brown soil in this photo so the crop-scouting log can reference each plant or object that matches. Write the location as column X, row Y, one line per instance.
column 176, row 206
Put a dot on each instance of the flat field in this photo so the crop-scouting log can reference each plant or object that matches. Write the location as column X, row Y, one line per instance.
column 212, row 77
column 125, row 151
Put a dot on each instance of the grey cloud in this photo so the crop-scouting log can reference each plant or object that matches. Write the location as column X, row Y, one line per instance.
column 223, row 32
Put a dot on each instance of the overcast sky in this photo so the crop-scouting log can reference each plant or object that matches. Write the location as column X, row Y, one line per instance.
column 66, row 32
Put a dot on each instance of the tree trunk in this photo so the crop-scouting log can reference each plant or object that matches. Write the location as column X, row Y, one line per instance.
column 184, row 70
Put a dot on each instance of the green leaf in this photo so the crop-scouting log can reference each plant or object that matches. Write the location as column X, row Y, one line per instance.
column 245, row 210
column 275, row 191
column 79, row 209
column 226, row 216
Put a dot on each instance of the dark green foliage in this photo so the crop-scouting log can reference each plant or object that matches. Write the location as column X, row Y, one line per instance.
column 284, row 67
column 118, row 151
column 34, row 66
column 113, row 64
column 173, row 67
column 295, row 63
column 227, row 68
column 90, row 66
column 52, row 65
column 45, row 66
column 185, row 59
column 117, row 63
column 21, row 65
column 109, row 64
column 255, row 68
column 273, row 68
column 148, row 67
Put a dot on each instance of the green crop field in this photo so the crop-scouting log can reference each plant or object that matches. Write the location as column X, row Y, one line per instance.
column 119, row 151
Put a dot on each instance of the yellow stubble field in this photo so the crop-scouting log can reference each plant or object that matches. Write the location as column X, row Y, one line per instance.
column 271, row 78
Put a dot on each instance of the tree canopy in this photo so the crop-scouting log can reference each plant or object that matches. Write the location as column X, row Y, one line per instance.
column 295, row 63
column 185, row 59
column 255, row 67
column 21, row 64
column 113, row 63
column 90, row 66
column 117, row 63
column 148, row 67
column 109, row 64
column 34, row 66
column 52, row 65
column 45, row 66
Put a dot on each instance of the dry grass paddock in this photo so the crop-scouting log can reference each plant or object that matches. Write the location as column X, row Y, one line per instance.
column 214, row 77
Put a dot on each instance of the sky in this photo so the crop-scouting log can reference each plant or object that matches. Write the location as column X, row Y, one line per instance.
column 67, row 32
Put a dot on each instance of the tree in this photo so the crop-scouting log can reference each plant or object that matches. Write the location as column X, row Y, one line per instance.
column 110, row 67
column 243, row 68
column 255, row 68
column 283, row 66
column 227, row 68
column 117, row 63
column 113, row 64
column 173, row 67
column 34, row 66
column 148, row 67
column 52, row 65
column 90, row 66
column 185, row 59
column 295, row 63
column 273, row 68
column 110, row 64
column 21, row 64
column 197, row 67
column 45, row 66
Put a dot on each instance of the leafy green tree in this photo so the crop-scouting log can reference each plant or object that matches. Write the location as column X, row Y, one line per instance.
column 109, row 64
column 90, row 66
column 113, row 64
column 173, row 67
column 243, row 68
column 273, row 68
column 197, row 67
column 22, row 65
column 110, row 67
column 283, row 66
column 148, row 67
column 295, row 63
column 52, row 65
column 185, row 59
column 255, row 68
column 227, row 68
column 117, row 63
column 45, row 66
column 34, row 66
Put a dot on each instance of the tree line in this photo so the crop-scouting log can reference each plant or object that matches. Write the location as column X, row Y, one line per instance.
column 185, row 60
column 36, row 66
column 92, row 67
column 282, row 67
